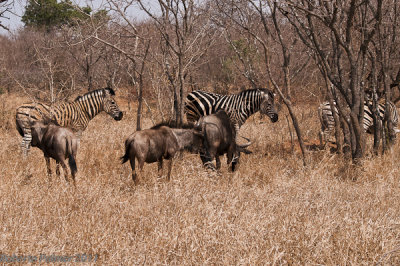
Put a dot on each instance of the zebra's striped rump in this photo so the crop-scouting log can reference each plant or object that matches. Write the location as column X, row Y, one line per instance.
column 328, row 123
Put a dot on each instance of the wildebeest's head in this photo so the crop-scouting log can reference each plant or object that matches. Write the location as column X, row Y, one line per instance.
column 38, row 130
column 110, row 105
column 268, row 105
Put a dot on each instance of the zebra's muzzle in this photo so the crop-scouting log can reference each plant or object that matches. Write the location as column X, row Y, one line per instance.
column 274, row 117
column 118, row 116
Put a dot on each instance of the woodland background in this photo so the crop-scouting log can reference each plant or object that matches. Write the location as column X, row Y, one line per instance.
column 279, row 207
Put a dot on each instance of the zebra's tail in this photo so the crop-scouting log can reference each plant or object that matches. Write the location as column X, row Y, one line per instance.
column 125, row 158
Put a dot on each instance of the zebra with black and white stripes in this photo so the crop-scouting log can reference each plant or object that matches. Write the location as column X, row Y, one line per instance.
column 239, row 106
column 328, row 122
column 75, row 115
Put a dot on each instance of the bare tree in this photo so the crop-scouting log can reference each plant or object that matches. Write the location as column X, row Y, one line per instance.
column 187, row 34
column 243, row 14
column 339, row 33
column 6, row 8
column 41, row 68
column 125, row 39
column 85, row 51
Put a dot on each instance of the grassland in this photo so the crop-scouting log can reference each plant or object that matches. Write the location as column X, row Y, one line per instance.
column 273, row 210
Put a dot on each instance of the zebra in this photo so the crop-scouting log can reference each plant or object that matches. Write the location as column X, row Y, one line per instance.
column 328, row 122
column 239, row 106
column 74, row 115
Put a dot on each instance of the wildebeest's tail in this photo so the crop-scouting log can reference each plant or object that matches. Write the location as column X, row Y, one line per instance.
column 125, row 158
column 72, row 165
column 72, row 147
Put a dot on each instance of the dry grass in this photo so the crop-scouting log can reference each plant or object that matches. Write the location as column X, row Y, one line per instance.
column 272, row 211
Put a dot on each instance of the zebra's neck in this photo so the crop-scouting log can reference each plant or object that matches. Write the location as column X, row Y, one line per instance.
column 89, row 109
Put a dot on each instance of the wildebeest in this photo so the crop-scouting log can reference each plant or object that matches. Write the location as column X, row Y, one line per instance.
column 58, row 143
column 156, row 144
column 219, row 137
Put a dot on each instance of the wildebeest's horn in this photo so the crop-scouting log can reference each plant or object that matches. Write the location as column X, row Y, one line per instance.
column 245, row 145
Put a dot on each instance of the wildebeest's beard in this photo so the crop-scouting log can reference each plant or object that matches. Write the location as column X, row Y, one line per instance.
column 267, row 108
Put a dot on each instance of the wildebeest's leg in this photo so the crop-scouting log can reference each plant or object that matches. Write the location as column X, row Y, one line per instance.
column 235, row 162
column 64, row 166
column 218, row 162
column 140, row 173
column 134, row 175
column 57, row 168
column 48, row 165
column 233, row 158
column 169, row 169
column 160, row 167
column 207, row 159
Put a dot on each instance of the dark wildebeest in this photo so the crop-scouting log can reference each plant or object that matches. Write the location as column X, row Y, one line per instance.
column 158, row 143
column 58, row 143
column 218, row 134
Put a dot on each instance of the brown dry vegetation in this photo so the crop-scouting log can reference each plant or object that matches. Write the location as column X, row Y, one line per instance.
column 271, row 211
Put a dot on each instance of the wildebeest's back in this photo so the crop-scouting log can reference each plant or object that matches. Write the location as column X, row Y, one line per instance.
column 150, row 145
column 219, row 131
column 58, row 142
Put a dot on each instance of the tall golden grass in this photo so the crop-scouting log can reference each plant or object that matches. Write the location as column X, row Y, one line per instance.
column 273, row 210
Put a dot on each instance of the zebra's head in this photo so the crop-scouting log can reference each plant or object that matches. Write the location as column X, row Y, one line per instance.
column 110, row 105
column 268, row 105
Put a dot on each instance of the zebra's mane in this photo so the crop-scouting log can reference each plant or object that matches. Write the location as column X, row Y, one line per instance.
column 247, row 91
column 98, row 91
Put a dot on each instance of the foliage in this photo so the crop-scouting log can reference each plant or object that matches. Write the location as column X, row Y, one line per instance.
column 50, row 13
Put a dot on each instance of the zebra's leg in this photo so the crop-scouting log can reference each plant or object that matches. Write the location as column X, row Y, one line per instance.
column 78, row 135
column 236, row 128
column 322, row 140
column 26, row 142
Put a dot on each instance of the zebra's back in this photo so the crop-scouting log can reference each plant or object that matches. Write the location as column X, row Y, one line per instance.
column 63, row 114
column 200, row 103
